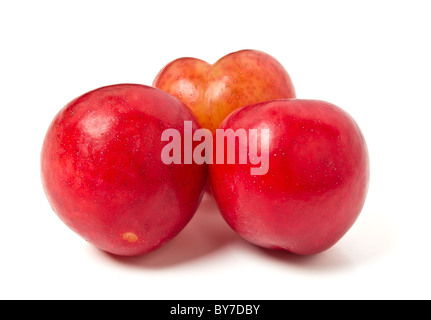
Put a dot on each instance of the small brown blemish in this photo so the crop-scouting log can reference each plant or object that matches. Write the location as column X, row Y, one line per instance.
column 130, row 237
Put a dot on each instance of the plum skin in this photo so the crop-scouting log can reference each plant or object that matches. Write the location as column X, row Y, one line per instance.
column 103, row 175
column 237, row 79
column 317, row 180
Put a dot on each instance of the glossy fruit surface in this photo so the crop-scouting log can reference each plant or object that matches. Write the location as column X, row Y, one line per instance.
column 103, row 174
column 236, row 80
column 317, row 179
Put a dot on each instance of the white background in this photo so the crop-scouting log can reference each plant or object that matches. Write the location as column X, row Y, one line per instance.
column 372, row 58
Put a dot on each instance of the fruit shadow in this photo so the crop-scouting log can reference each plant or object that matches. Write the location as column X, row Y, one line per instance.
column 372, row 238
column 332, row 260
column 205, row 234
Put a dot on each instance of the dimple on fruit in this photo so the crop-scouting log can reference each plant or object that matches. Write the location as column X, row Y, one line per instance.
column 238, row 79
